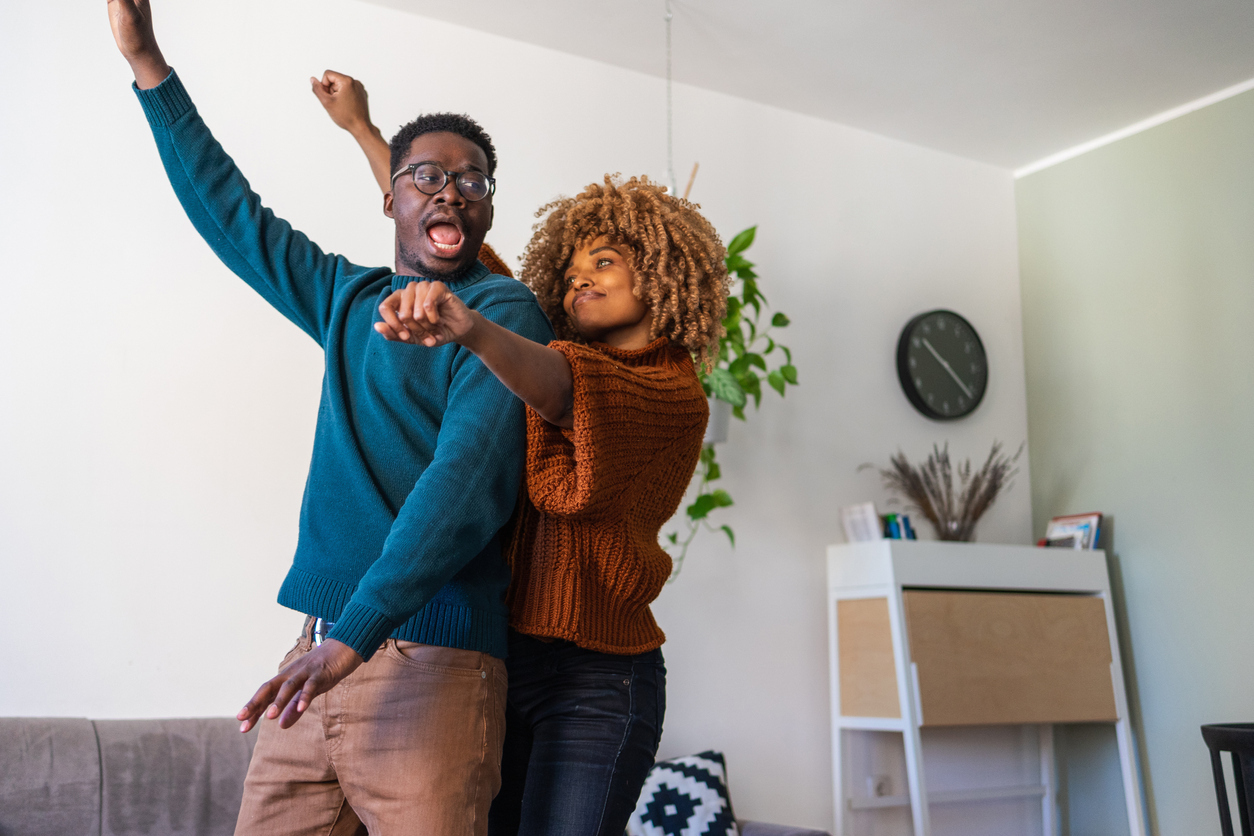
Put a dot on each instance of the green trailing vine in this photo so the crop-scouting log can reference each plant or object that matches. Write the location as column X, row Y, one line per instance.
column 747, row 356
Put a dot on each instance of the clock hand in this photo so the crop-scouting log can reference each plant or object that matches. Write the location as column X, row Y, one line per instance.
column 948, row 368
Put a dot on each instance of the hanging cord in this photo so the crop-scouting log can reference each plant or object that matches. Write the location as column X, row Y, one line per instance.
column 670, row 114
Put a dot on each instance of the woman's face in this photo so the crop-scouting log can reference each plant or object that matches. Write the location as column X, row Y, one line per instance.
column 599, row 298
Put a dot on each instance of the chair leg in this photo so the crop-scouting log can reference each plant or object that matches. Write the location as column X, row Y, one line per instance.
column 1221, row 792
column 1243, row 774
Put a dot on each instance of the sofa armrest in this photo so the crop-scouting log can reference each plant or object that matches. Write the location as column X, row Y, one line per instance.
column 757, row 828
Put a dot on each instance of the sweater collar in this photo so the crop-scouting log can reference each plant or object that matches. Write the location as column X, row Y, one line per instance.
column 651, row 355
column 477, row 272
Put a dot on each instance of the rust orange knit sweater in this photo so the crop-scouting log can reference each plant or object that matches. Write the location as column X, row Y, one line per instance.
column 585, row 556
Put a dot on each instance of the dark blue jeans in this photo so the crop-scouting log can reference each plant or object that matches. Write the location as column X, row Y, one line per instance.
column 581, row 732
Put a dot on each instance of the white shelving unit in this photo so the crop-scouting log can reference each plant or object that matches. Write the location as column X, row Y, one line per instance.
column 1007, row 640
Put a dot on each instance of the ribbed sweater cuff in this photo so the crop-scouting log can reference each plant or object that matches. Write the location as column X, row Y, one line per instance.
column 362, row 629
column 165, row 103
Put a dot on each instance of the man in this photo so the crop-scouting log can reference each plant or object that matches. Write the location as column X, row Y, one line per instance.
column 416, row 465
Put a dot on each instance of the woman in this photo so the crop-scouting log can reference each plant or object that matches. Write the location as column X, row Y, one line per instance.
column 634, row 283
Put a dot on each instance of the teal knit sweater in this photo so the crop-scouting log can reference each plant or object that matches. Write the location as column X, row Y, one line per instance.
column 418, row 452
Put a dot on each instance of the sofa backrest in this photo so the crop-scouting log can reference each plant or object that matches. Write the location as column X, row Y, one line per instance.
column 49, row 777
column 76, row 777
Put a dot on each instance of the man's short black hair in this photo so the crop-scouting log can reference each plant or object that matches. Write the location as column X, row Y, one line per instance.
column 431, row 123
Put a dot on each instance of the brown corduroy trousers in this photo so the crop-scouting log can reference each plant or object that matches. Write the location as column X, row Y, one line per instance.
column 409, row 743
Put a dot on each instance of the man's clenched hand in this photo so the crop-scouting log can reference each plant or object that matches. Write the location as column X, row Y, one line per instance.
column 131, row 21
column 287, row 695
column 345, row 99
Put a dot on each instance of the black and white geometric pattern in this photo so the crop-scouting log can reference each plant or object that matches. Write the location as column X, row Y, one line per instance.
column 685, row 797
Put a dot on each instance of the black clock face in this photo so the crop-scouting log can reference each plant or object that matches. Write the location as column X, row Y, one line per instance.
column 941, row 365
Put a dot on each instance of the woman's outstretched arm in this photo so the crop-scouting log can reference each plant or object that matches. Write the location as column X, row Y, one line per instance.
column 428, row 313
column 347, row 104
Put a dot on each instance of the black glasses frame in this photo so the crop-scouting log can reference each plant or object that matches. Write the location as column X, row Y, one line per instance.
column 456, row 176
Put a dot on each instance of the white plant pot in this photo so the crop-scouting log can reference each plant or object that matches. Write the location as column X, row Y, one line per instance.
column 720, row 419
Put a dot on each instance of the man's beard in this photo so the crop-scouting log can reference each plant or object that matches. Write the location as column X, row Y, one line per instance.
column 410, row 257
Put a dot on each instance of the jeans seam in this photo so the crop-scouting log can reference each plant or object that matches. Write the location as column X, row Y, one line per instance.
column 338, row 813
column 333, row 745
column 486, row 691
column 622, row 745
column 661, row 699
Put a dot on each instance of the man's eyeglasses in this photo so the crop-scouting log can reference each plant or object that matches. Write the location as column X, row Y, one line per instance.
column 429, row 178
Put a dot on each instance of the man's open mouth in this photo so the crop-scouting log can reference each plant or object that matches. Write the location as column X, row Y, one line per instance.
column 445, row 238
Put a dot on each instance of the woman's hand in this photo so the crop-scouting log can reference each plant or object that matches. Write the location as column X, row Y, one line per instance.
column 425, row 313
column 345, row 100
column 428, row 313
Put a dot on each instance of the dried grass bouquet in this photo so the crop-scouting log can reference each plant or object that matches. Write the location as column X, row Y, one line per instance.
column 930, row 490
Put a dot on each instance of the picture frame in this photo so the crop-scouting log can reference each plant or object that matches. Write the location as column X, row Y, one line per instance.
column 861, row 523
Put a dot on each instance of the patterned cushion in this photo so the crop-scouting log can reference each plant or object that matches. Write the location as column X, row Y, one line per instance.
column 685, row 797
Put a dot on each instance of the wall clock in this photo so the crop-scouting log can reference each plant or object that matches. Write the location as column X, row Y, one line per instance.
column 941, row 365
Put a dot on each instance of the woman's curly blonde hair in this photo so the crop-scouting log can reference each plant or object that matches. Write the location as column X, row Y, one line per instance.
column 675, row 255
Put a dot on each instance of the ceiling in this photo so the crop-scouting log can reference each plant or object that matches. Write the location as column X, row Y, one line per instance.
column 1006, row 82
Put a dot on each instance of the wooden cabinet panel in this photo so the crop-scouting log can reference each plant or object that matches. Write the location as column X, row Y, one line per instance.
column 1004, row 657
column 868, row 676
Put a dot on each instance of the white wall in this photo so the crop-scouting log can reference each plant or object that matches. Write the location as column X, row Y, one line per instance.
column 156, row 419
column 1137, row 303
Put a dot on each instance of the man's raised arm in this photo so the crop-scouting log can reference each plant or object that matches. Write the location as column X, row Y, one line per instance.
column 287, row 269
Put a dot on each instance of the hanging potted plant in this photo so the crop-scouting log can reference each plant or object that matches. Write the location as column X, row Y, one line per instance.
column 748, row 354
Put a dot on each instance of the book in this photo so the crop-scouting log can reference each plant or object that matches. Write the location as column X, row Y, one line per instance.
column 907, row 530
column 1074, row 531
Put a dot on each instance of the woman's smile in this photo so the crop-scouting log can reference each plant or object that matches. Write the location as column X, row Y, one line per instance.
column 586, row 296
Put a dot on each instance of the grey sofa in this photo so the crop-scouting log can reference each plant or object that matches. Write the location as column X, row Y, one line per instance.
column 75, row 777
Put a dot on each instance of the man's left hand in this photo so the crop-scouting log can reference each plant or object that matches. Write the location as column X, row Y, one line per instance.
column 287, row 695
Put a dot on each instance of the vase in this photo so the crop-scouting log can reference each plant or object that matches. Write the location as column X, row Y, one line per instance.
column 720, row 419
column 952, row 530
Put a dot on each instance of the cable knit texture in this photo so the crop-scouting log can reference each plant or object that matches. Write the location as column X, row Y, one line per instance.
column 586, row 561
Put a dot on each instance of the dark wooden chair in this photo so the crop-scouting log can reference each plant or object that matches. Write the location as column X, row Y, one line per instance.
column 1237, row 739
